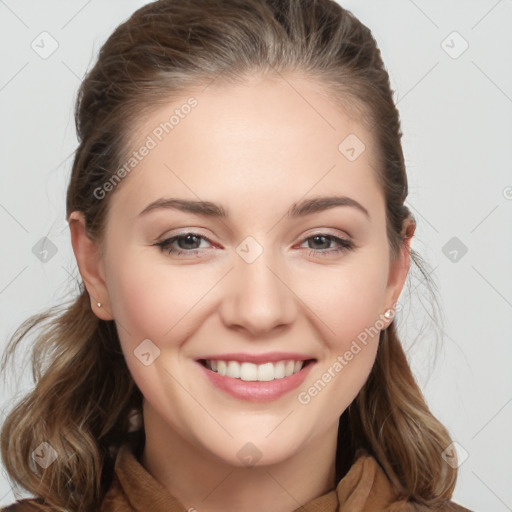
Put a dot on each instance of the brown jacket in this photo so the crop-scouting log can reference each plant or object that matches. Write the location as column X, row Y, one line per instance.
column 365, row 488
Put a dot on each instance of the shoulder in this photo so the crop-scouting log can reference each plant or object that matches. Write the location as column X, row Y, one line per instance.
column 27, row 505
column 450, row 506
column 367, row 482
column 409, row 506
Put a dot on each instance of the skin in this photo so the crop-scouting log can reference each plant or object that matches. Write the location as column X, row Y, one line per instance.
column 256, row 149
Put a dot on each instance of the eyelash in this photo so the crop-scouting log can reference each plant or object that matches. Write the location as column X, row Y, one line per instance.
column 344, row 244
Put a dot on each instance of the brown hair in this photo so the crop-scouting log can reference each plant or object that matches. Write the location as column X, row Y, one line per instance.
column 83, row 396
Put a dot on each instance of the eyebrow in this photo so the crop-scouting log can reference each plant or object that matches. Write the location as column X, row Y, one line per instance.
column 214, row 210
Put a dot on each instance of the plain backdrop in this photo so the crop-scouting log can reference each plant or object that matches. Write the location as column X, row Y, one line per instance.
column 449, row 64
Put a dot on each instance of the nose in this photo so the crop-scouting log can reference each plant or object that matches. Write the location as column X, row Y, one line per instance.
column 257, row 297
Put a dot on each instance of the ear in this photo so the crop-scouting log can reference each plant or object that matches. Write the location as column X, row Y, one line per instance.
column 90, row 265
column 399, row 268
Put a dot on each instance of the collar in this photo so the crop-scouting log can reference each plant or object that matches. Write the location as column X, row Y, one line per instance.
column 365, row 488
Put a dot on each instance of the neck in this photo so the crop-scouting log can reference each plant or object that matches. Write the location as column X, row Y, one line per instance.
column 201, row 480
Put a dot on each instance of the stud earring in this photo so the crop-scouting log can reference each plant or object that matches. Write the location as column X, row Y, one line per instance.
column 99, row 304
column 388, row 314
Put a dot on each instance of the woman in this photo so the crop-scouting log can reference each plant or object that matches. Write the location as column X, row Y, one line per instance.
column 236, row 210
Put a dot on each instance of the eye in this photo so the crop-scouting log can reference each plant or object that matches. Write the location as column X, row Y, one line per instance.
column 184, row 242
column 323, row 239
column 189, row 243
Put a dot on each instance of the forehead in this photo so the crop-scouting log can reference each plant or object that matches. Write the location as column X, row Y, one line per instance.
column 263, row 140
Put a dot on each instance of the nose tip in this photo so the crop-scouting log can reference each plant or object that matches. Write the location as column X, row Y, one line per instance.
column 258, row 299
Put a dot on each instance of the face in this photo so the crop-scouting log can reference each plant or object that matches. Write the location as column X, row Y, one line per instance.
column 259, row 284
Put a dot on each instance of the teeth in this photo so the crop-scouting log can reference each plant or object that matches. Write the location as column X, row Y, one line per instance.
column 245, row 371
column 255, row 372
column 221, row 367
column 233, row 370
column 279, row 370
column 265, row 371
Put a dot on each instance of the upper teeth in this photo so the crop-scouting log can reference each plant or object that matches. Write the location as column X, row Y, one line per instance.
column 255, row 372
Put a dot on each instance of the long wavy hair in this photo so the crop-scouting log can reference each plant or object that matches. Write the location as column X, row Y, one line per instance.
column 84, row 393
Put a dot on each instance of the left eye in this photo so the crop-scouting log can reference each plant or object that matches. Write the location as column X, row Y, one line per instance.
column 188, row 243
column 343, row 244
column 189, row 238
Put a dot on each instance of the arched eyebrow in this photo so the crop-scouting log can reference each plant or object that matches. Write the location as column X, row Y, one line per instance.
column 210, row 209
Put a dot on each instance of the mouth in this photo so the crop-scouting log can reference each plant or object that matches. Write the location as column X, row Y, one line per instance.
column 251, row 372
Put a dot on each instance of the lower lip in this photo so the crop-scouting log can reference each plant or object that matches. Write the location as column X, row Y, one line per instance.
column 258, row 391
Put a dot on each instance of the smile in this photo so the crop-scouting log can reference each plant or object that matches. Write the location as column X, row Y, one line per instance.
column 251, row 372
column 252, row 382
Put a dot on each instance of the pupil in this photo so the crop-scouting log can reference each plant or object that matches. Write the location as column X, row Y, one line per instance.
column 315, row 238
column 188, row 239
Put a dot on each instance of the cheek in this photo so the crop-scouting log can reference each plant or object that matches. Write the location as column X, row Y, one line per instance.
column 151, row 300
column 350, row 319
column 353, row 312
column 348, row 300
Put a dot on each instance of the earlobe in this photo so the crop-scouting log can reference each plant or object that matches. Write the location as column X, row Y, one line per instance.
column 90, row 265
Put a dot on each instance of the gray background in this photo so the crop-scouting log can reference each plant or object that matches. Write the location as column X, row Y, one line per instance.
column 456, row 109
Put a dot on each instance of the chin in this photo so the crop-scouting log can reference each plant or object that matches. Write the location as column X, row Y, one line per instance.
column 258, row 452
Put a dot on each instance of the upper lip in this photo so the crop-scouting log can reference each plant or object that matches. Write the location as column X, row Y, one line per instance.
column 269, row 357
